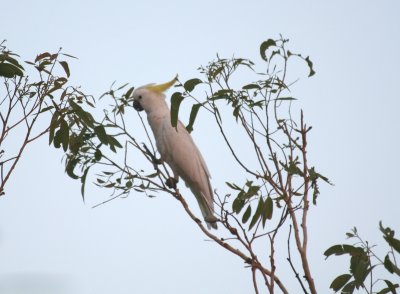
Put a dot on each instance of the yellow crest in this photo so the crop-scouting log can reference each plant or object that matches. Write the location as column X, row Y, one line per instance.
column 161, row 88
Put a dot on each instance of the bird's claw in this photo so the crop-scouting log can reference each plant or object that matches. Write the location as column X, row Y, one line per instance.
column 171, row 183
column 157, row 161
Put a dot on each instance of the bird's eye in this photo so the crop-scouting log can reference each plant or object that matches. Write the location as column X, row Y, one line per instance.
column 140, row 97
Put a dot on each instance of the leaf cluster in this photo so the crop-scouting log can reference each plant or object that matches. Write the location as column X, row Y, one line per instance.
column 9, row 65
column 277, row 190
column 283, row 182
column 29, row 94
column 364, row 261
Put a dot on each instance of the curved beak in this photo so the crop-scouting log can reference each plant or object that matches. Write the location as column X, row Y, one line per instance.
column 137, row 106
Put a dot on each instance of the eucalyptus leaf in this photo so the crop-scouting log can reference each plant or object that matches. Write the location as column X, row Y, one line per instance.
column 264, row 47
column 101, row 134
column 193, row 115
column 339, row 282
column 176, row 100
column 257, row 214
column 83, row 181
column 71, row 164
column 9, row 70
column 64, row 134
column 65, row 66
column 129, row 93
column 310, row 66
column 268, row 210
column 42, row 56
column 246, row 214
column 191, row 84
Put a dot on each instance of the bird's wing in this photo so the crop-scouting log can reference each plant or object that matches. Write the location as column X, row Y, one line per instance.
column 183, row 156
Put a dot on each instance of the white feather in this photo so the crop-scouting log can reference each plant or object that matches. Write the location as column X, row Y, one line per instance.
column 178, row 149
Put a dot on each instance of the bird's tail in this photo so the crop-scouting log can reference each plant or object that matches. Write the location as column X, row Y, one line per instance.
column 207, row 211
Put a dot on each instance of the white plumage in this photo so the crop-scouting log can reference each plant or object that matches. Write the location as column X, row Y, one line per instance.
column 177, row 147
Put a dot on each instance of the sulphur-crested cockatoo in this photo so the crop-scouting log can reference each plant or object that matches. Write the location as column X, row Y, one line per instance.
column 176, row 146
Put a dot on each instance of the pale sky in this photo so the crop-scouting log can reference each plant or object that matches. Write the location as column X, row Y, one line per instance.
column 51, row 242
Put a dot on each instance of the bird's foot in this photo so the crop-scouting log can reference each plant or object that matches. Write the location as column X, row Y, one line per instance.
column 171, row 183
column 157, row 161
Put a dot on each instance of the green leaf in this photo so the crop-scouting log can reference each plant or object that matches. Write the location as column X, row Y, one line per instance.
column 246, row 214
column 335, row 249
column 114, row 141
column 65, row 66
column 86, row 117
column 53, row 56
column 176, row 100
column 339, row 282
column 101, row 134
column 264, row 47
column 393, row 242
column 233, row 186
column 249, row 183
column 349, row 288
column 238, row 203
column 285, row 99
column 129, row 92
column 70, row 168
column 65, row 54
column 153, row 175
column 253, row 190
column 389, row 237
column 64, row 134
column 268, row 210
column 74, row 143
column 110, row 185
column 293, row 169
column 46, row 109
column 222, row 94
column 193, row 115
column 42, row 56
column 53, row 124
column 310, row 66
column 257, row 214
column 216, row 72
column 251, row 86
column 9, row 70
column 98, row 155
column 391, row 288
column 57, row 139
column 359, row 267
column 386, row 231
column 390, row 266
column 121, row 87
column 100, row 181
column 61, row 81
column 236, row 112
column 343, row 249
column 191, row 84
column 6, row 57
column 53, row 89
column 83, row 181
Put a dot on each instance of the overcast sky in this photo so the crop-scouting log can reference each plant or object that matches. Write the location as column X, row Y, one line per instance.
column 51, row 242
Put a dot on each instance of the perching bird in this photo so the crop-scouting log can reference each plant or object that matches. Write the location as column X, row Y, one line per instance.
column 176, row 147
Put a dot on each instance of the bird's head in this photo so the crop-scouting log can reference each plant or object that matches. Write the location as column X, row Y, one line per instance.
column 146, row 97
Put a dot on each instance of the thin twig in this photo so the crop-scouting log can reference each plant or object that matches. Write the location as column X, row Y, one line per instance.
column 253, row 273
column 289, row 259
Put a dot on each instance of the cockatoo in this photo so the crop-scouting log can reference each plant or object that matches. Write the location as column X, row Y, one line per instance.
column 177, row 147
